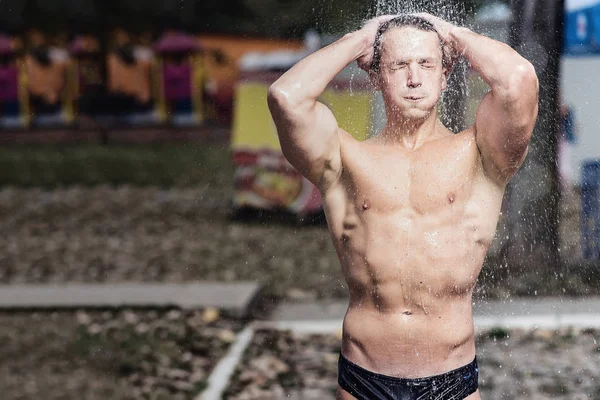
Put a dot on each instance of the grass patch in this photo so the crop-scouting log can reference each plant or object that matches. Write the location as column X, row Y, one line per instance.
column 180, row 165
column 498, row 333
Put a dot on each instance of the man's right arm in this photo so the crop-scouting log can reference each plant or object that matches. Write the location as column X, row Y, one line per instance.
column 308, row 132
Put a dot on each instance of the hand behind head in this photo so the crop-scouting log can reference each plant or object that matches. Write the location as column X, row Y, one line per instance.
column 369, row 30
column 443, row 28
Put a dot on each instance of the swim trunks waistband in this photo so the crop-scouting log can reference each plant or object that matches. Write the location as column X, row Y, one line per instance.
column 368, row 385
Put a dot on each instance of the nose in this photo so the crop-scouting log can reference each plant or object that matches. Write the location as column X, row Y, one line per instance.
column 414, row 76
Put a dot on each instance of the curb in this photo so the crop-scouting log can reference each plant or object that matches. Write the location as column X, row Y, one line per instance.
column 220, row 376
column 557, row 321
column 237, row 298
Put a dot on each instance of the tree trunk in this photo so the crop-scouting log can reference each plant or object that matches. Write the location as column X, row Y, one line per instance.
column 531, row 204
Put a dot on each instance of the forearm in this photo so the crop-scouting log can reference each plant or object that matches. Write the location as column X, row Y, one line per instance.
column 307, row 80
column 501, row 67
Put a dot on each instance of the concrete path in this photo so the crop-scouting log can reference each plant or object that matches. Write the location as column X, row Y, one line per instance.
column 549, row 313
column 237, row 298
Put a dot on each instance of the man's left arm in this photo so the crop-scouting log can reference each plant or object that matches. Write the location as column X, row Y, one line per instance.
column 507, row 114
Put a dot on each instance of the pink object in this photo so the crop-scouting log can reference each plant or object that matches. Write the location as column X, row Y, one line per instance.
column 177, row 82
column 78, row 45
column 177, row 43
column 9, row 83
column 5, row 45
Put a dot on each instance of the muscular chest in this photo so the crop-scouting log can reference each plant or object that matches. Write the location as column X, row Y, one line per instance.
column 434, row 178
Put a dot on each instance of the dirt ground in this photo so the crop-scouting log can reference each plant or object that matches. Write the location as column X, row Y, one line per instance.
column 515, row 364
column 110, row 354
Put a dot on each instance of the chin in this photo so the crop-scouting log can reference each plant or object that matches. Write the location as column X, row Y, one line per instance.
column 415, row 114
column 412, row 111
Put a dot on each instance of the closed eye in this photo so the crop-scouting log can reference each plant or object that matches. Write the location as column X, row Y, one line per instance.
column 427, row 63
column 398, row 65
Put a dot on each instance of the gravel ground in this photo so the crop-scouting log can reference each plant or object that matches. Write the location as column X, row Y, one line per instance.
column 517, row 364
column 106, row 234
column 120, row 234
column 110, row 354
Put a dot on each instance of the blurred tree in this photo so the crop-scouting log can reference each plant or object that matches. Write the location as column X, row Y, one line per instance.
column 282, row 18
column 534, row 194
column 277, row 18
column 11, row 16
column 223, row 17
column 47, row 16
column 83, row 16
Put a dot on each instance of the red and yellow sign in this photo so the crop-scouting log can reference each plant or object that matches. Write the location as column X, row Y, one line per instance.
column 263, row 177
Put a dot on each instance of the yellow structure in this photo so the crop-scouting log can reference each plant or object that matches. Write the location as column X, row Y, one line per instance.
column 263, row 177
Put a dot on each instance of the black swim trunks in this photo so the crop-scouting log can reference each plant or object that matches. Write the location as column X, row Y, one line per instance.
column 367, row 385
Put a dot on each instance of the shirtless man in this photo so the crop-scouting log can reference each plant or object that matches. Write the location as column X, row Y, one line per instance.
column 412, row 210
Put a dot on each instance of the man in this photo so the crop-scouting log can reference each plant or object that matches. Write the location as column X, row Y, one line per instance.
column 413, row 210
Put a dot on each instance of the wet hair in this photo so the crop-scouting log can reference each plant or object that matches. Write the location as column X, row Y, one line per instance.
column 398, row 22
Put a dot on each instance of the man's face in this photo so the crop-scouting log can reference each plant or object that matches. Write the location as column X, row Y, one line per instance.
column 411, row 76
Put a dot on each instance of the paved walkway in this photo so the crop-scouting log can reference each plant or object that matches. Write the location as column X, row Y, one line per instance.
column 237, row 298
column 511, row 313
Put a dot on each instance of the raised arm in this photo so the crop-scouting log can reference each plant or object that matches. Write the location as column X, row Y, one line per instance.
column 507, row 114
column 308, row 132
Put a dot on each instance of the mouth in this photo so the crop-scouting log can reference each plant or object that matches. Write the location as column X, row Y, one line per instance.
column 413, row 98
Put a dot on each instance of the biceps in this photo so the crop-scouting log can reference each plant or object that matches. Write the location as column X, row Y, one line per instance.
column 310, row 141
column 503, row 129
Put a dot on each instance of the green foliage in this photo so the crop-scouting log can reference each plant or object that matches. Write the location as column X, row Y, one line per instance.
column 498, row 333
column 168, row 165
column 271, row 18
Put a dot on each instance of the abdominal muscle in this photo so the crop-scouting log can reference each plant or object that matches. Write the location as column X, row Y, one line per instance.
column 409, row 346
column 410, row 283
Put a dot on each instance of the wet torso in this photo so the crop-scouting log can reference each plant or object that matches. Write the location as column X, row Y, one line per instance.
column 411, row 229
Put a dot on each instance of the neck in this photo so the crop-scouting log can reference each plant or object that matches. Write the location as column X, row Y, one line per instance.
column 411, row 133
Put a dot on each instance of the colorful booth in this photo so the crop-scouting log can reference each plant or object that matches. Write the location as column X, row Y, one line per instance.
column 221, row 61
column 50, row 100
column 48, row 66
column 264, row 179
column 180, row 77
column 129, row 76
column 87, row 84
column 116, row 89
column 14, row 110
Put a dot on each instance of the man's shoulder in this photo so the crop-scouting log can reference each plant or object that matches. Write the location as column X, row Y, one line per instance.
column 346, row 136
column 348, row 142
column 469, row 132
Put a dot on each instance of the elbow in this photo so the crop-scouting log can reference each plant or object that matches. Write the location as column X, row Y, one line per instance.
column 279, row 98
column 526, row 78
column 282, row 100
column 522, row 83
column 275, row 97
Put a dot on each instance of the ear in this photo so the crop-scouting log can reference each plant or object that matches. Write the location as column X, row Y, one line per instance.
column 445, row 74
column 374, row 77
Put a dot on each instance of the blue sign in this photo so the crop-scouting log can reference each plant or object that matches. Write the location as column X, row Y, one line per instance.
column 582, row 27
